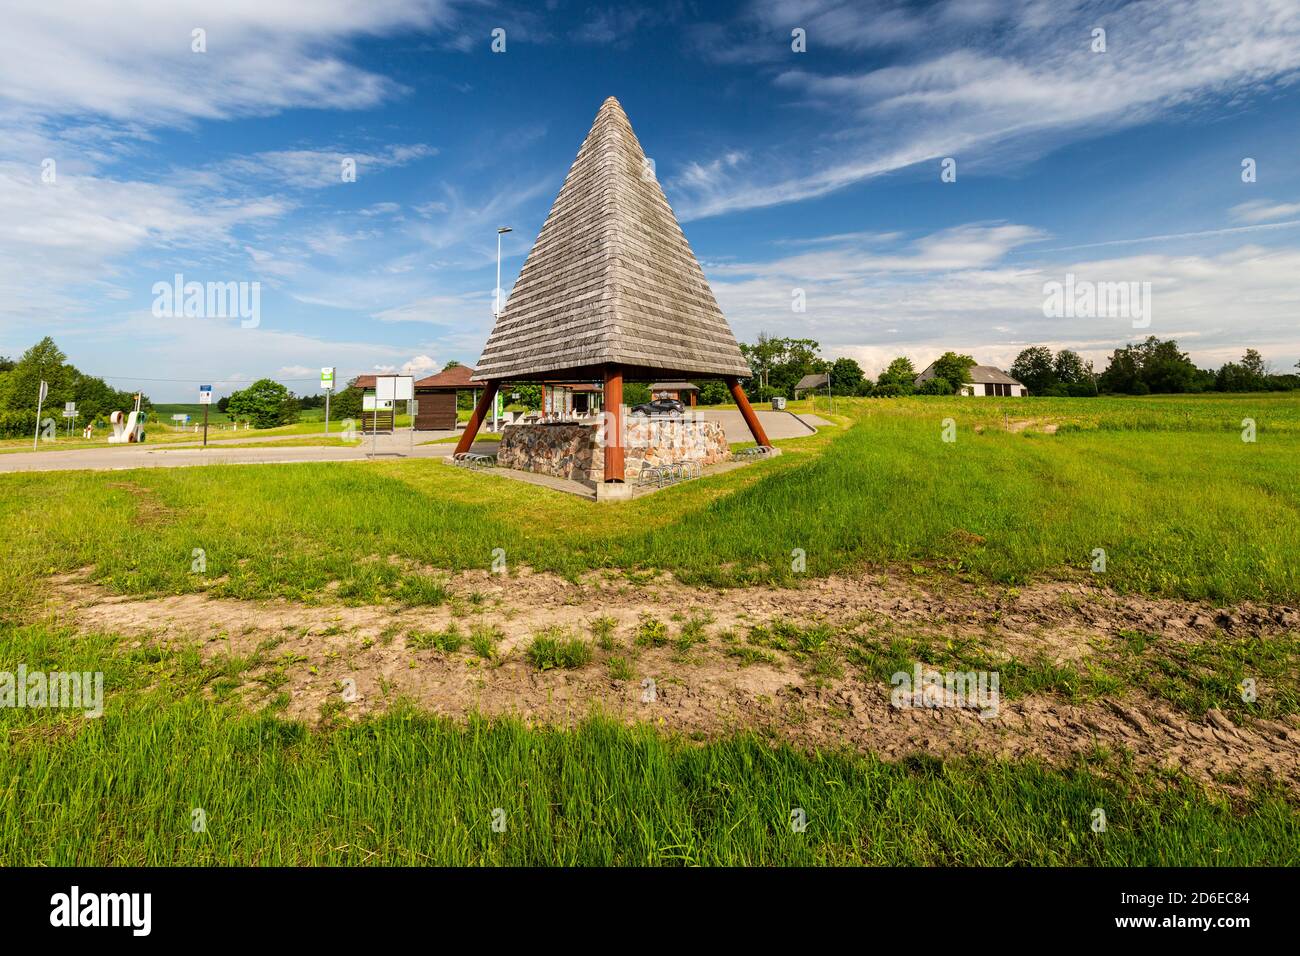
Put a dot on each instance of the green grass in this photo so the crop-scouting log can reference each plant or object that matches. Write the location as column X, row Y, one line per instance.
column 602, row 632
column 412, row 790
column 1191, row 513
column 1193, row 677
column 555, row 648
column 448, row 641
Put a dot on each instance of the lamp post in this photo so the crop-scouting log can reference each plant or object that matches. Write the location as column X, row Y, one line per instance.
column 496, row 312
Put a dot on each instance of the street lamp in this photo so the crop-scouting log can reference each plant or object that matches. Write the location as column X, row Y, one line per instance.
column 500, row 232
column 497, row 311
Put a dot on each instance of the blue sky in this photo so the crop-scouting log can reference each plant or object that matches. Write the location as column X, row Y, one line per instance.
column 816, row 170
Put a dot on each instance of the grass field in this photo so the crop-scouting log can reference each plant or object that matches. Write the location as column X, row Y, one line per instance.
column 1025, row 493
column 1179, row 512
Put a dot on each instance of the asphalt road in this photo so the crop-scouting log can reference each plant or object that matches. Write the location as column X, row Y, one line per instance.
column 119, row 457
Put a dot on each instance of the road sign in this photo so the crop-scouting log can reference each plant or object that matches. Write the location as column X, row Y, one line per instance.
column 205, row 394
column 45, row 391
column 394, row 387
column 69, row 409
column 327, row 378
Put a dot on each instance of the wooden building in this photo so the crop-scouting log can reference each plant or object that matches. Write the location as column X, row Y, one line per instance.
column 435, row 397
column 684, row 392
column 611, row 289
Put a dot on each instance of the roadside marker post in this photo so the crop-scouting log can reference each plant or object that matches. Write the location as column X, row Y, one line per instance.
column 205, row 399
column 40, row 401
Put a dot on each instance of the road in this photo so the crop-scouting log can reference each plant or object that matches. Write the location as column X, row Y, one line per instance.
column 119, row 457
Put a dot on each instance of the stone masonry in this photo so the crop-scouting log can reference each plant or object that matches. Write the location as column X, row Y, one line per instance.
column 574, row 450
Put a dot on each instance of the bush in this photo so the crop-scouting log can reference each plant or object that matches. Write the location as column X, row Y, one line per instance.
column 714, row 393
column 265, row 404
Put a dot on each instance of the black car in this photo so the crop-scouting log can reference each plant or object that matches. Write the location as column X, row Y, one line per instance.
column 660, row 406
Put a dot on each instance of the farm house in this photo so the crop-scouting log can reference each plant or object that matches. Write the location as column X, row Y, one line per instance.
column 985, row 380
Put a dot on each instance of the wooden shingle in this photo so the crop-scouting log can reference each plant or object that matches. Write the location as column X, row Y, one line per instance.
column 611, row 278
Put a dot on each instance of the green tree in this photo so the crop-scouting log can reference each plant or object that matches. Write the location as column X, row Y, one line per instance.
column 954, row 369
column 1035, row 369
column 713, row 392
column 1071, row 369
column 1251, row 374
column 530, row 394
column 1152, row 366
column 846, row 376
column 346, row 403
column 900, row 372
column 779, row 363
column 44, row 361
column 264, row 404
column 1254, row 364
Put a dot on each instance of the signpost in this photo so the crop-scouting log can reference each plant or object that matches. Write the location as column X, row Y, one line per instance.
column 389, row 390
column 40, row 400
column 69, row 412
column 327, row 383
column 205, row 399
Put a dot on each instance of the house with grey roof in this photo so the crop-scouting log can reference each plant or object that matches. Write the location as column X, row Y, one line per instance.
column 985, row 380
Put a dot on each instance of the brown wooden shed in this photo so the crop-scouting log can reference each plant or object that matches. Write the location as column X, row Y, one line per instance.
column 436, row 397
column 682, row 391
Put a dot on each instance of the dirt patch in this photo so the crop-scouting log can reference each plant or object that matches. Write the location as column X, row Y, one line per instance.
column 148, row 509
column 709, row 688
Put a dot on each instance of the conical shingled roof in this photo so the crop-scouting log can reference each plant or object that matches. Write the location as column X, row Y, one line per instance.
column 611, row 278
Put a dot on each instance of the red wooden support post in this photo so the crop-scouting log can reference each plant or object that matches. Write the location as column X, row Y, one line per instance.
column 751, row 419
column 476, row 417
column 613, row 423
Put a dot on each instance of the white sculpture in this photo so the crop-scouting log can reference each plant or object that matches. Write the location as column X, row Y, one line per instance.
column 127, row 429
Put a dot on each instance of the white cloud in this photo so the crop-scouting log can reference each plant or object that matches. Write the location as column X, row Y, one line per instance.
column 873, row 309
column 1264, row 211
column 55, row 237
column 316, row 168
column 1035, row 83
column 133, row 60
column 420, row 366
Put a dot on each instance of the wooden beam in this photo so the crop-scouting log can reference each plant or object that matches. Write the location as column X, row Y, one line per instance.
column 751, row 418
column 476, row 417
column 613, row 423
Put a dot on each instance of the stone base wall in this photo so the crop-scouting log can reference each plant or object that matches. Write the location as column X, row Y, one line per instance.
column 563, row 451
column 660, row 441
column 574, row 451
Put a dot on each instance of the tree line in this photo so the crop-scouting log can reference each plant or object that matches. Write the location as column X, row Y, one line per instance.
column 20, row 382
column 1153, row 366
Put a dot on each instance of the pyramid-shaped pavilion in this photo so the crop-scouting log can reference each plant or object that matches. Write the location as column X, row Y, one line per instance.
column 611, row 279
column 611, row 288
